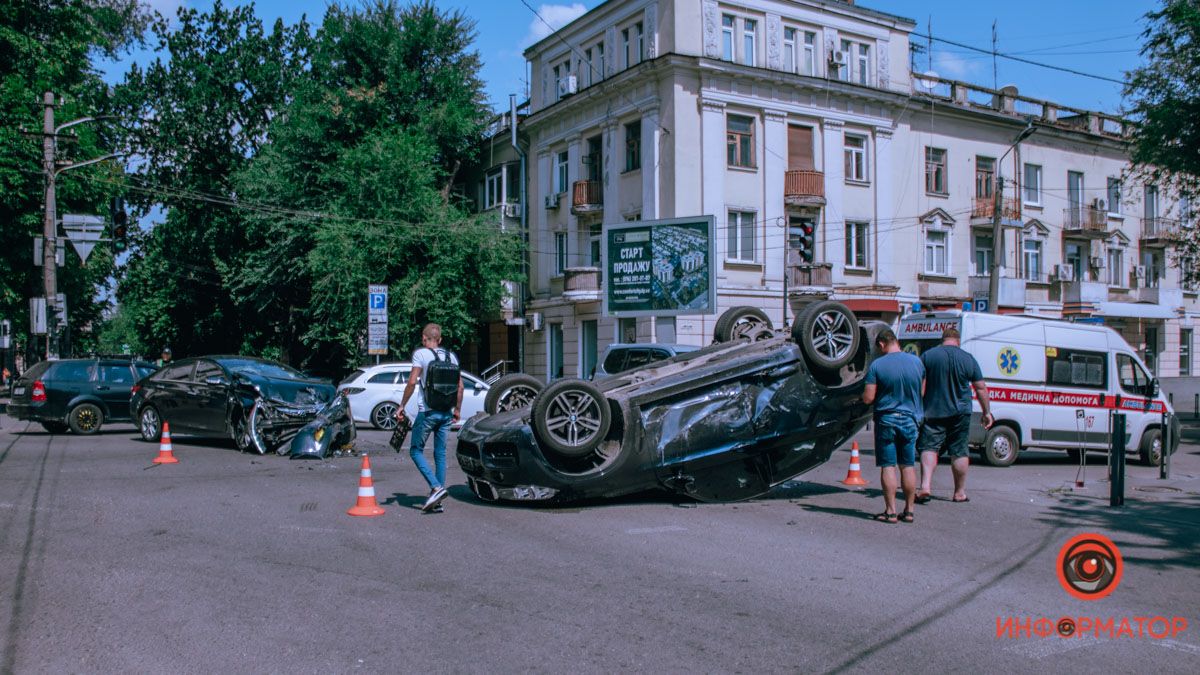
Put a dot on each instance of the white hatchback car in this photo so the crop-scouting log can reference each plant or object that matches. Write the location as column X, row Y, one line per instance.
column 375, row 392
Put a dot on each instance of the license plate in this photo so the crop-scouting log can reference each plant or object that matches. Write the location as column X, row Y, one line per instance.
column 17, row 391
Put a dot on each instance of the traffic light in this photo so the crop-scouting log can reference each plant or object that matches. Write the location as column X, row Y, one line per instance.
column 804, row 239
column 120, row 225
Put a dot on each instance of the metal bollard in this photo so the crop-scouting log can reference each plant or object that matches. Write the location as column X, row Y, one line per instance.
column 1116, row 493
column 1196, row 407
column 1164, row 465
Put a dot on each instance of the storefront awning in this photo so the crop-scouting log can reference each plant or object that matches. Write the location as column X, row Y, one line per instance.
column 1135, row 310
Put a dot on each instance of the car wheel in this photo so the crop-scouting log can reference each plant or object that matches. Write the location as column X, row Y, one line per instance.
column 1074, row 454
column 743, row 322
column 827, row 332
column 384, row 416
column 1151, row 450
column 55, row 427
column 150, row 424
column 247, row 436
column 571, row 418
column 512, row 392
column 85, row 419
column 1001, row 446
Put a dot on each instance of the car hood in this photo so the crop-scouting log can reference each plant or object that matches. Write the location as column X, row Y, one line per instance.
column 301, row 393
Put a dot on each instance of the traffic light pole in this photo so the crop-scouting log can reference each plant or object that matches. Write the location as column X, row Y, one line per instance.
column 49, row 228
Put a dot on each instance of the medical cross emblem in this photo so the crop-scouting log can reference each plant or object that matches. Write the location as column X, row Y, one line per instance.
column 1009, row 361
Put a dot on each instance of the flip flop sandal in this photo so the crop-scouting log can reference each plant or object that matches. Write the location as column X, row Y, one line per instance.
column 886, row 517
column 960, row 501
column 924, row 499
column 906, row 517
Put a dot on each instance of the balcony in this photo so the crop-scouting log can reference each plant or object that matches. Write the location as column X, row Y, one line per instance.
column 983, row 208
column 581, row 284
column 810, row 276
column 1012, row 291
column 1084, row 292
column 802, row 187
column 1168, row 297
column 587, row 196
column 1085, row 221
column 1159, row 231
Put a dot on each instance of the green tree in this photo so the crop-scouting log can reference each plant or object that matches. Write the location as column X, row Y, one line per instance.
column 51, row 46
column 1164, row 98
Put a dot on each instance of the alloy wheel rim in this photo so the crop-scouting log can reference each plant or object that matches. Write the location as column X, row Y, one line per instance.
column 574, row 418
column 385, row 416
column 149, row 423
column 86, row 419
column 831, row 335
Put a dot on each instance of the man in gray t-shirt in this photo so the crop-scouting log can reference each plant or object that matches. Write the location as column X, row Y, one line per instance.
column 950, row 374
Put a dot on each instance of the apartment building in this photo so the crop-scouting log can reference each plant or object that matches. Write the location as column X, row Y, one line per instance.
column 779, row 117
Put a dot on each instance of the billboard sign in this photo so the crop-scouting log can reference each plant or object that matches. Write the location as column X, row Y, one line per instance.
column 659, row 267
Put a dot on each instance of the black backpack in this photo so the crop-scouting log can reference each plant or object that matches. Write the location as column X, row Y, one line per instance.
column 441, row 383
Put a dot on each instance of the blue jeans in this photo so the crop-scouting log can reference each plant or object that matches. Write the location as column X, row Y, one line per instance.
column 439, row 424
column 895, row 439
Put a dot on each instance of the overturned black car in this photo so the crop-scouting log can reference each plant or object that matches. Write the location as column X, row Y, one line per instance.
column 259, row 404
column 724, row 423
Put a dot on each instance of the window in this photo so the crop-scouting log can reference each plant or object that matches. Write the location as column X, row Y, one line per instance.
column 589, row 77
column 1073, row 254
column 1032, row 259
column 1151, row 206
column 727, row 24
column 1185, row 211
column 561, row 73
column 847, row 59
column 936, row 252
column 856, row 158
column 1185, row 351
column 1074, row 368
column 863, row 67
column 985, row 176
column 561, row 170
column 640, row 31
column 493, row 191
column 1033, row 184
column 1155, row 271
column 1114, row 196
column 207, row 369
column 117, row 375
column 984, row 251
column 599, row 70
column 789, row 49
column 77, row 371
column 625, row 47
column 935, row 171
column 749, row 28
column 740, row 236
column 181, row 372
column 1116, row 267
column 739, row 139
column 633, row 146
column 809, row 63
column 856, row 245
column 560, row 253
column 385, row 377
column 595, row 230
column 1134, row 379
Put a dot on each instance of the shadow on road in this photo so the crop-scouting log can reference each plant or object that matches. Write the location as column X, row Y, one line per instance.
column 1171, row 527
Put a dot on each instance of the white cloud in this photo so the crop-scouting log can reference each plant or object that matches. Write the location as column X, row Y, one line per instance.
column 954, row 66
column 555, row 15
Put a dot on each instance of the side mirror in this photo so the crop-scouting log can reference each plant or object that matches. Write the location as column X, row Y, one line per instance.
column 478, row 387
column 216, row 381
column 1154, row 387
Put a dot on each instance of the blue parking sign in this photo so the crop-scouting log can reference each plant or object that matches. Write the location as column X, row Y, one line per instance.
column 378, row 300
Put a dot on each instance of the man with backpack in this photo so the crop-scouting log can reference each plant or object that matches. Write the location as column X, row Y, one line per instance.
column 439, row 402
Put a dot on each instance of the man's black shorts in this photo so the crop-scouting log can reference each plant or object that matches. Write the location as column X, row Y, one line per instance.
column 946, row 435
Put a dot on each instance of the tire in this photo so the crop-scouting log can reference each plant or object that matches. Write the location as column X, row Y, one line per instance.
column 1001, row 447
column 1074, row 454
column 512, row 392
column 55, row 427
column 85, row 419
column 571, row 418
column 1151, row 449
column 383, row 416
column 150, row 424
column 743, row 322
column 827, row 332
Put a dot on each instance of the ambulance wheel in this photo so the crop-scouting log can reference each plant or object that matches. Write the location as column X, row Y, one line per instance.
column 1151, row 450
column 1001, row 446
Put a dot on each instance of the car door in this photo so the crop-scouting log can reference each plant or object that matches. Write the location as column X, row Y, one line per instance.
column 474, row 392
column 210, row 397
column 115, row 388
column 66, row 382
column 172, row 396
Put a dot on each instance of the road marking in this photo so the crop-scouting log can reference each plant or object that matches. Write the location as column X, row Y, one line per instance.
column 656, row 530
column 1040, row 648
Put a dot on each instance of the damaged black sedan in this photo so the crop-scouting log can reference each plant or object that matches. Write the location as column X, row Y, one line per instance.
column 257, row 403
column 723, row 423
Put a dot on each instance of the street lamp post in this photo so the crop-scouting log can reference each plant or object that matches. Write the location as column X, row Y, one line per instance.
column 997, row 230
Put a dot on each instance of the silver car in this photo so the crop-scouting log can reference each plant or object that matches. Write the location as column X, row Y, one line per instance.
column 375, row 393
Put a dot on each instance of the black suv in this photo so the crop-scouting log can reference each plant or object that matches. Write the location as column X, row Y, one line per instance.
column 77, row 394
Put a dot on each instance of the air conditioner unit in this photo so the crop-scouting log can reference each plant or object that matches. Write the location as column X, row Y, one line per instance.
column 534, row 320
column 1139, row 271
column 837, row 58
column 552, row 200
column 1100, row 205
column 1097, row 263
column 1065, row 273
column 512, row 210
column 567, row 86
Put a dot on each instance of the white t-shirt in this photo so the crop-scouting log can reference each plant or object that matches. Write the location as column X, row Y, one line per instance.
column 421, row 359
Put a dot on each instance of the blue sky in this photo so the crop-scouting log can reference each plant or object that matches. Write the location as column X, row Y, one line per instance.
column 1100, row 37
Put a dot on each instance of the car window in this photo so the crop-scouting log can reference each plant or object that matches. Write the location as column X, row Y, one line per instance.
column 182, row 371
column 637, row 358
column 659, row 354
column 1134, row 380
column 75, row 371
column 207, row 369
column 351, row 377
column 37, row 369
column 1076, row 368
column 264, row 369
column 117, row 375
column 143, row 371
column 614, row 361
column 385, row 377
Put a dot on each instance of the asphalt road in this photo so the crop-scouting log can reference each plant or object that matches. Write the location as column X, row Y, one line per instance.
column 236, row 563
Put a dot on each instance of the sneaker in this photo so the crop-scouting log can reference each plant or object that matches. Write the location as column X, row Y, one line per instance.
column 436, row 496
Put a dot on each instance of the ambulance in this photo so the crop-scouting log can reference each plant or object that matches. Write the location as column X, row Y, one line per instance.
column 1052, row 384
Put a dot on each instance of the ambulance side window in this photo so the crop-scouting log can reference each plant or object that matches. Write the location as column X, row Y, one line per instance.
column 1134, row 380
column 1075, row 368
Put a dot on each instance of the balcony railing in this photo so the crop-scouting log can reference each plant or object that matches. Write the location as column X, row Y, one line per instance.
column 1086, row 220
column 581, row 284
column 985, row 207
column 803, row 186
column 1159, row 229
column 587, row 196
column 810, row 275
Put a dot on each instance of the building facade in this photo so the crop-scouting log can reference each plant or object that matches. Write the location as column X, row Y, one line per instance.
column 779, row 117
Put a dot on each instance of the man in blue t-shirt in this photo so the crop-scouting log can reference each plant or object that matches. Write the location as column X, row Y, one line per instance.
column 951, row 373
column 895, row 383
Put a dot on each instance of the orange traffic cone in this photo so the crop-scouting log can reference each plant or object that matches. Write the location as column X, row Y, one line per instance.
column 854, row 475
column 366, row 505
column 165, row 454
